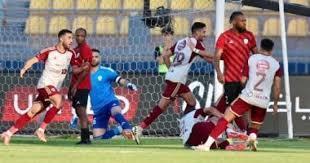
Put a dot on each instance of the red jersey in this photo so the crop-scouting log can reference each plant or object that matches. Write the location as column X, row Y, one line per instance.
column 236, row 52
column 84, row 54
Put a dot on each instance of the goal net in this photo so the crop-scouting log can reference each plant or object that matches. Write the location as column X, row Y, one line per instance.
column 117, row 29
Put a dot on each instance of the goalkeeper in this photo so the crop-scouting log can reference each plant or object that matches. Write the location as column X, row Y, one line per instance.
column 104, row 102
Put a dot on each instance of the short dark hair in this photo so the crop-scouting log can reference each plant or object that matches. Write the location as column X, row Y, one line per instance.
column 167, row 30
column 234, row 15
column 82, row 29
column 95, row 50
column 197, row 25
column 63, row 32
column 267, row 44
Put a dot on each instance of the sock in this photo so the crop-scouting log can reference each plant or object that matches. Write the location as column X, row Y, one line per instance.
column 20, row 123
column 241, row 123
column 252, row 130
column 110, row 133
column 119, row 118
column 85, row 134
column 188, row 109
column 219, row 128
column 151, row 117
column 50, row 114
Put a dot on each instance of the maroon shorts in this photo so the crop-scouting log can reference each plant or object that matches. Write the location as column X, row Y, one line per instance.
column 239, row 107
column 172, row 89
column 220, row 104
column 45, row 93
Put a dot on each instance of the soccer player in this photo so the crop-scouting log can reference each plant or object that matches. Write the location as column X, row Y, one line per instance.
column 185, row 52
column 104, row 102
column 234, row 47
column 261, row 72
column 80, row 82
column 195, row 130
column 57, row 60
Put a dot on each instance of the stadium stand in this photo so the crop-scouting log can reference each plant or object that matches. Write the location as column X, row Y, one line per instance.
column 133, row 4
column 62, row 4
column 181, row 25
column 185, row 5
column 106, row 25
column 57, row 23
column 84, row 22
column 271, row 27
column 203, row 5
column 297, row 27
column 157, row 3
column 111, row 4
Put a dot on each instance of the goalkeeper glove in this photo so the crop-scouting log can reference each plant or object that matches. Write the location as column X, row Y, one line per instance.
column 132, row 87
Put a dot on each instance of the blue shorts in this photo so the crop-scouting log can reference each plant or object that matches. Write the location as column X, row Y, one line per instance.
column 101, row 118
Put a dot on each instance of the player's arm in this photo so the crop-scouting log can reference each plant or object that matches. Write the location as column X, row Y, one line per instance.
column 126, row 83
column 167, row 53
column 216, row 63
column 245, row 74
column 276, row 92
column 28, row 65
column 200, row 50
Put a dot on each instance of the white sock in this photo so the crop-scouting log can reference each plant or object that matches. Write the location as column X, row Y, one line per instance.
column 209, row 142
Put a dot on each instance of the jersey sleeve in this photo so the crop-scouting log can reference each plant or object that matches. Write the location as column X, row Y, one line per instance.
column 279, row 72
column 245, row 71
column 86, row 54
column 220, row 43
column 112, row 75
column 173, row 47
column 200, row 46
column 42, row 55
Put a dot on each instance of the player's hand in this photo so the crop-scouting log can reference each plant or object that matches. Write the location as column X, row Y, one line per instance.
column 132, row 87
column 22, row 72
column 220, row 78
column 275, row 109
column 85, row 66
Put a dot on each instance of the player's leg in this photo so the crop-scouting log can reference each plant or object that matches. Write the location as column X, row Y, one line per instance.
column 56, row 100
column 79, row 102
column 190, row 100
column 257, row 119
column 237, row 109
column 35, row 109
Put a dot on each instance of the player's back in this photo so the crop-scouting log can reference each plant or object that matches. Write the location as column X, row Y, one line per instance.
column 102, row 91
column 56, row 66
column 261, row 72
column 182, row 61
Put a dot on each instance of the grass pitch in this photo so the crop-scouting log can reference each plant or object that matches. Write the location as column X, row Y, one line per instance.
column 164, row 150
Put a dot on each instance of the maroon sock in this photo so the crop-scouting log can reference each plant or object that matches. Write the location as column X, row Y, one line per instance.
column 252, row 130
column 219, row 128
column 22, row 121
column 151, row 117
column 241, row 123
column 50, row 114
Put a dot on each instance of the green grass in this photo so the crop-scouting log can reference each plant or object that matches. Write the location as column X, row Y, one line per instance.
column 61, row 150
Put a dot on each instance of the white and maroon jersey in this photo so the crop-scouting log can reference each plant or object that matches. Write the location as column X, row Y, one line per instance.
column 183, row 59
column 56, row 66
column 261, row 71
column 187, row 122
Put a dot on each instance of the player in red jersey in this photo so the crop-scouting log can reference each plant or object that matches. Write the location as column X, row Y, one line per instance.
column 186, row 51
column 57, row 60
column 261, row 72
column 80, row 82
column 234, row 47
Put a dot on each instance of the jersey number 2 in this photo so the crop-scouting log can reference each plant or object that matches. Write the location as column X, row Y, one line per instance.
column 179, row 57
column 262, row 77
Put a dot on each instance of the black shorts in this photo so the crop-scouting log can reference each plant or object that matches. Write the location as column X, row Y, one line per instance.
column 232, row 91
column 80, row 98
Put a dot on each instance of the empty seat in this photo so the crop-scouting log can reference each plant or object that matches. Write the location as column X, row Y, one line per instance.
column 62, row 4
column 180, row 5
column 208, row 23
column 111, row 4
column 297, row 27
column 156, row 3
column 133, row 4
column 124, row 26
column 252, row 25
column 86, row 4
column 35, row 25
column 35, row 4
column 272, row 27
column 57, row 23
column 106, row 25
column 301, row 2
column 204, row 4
column 181, row 26
column 155, row 31
column 83, row 22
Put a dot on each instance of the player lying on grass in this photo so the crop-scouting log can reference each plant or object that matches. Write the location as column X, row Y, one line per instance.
column 195, row 129
column 261, row 72
column 57, row 60
column 103, row 100
column 185, row 52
